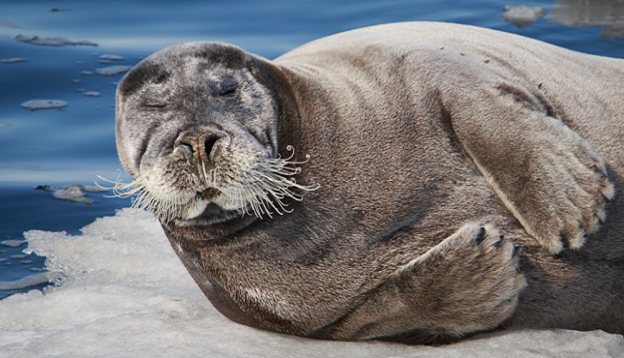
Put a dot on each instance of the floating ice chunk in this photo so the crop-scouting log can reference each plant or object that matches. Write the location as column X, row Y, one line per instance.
column 27, row 281
column 92, row 94
column 45, row 187
column 87, row 73
column 35, row 104
column 112, row 70
column 522, row 16
column 12, row 243
column 111, row 58
column 14, row 60
column 47, row 41
column 18, row 257
column 72, row 193
column 53, row 41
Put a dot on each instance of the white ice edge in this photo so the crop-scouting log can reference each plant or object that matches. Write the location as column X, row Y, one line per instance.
column 124, row 293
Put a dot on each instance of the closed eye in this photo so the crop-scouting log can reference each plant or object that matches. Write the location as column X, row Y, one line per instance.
column 228, row 91
column 153, row 104
column 228, row 87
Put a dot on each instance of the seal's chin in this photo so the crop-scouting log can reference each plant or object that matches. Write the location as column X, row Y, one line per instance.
column 194, row 209
column 208, row 214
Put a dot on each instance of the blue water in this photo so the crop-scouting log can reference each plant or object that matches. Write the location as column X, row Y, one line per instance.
column 74, row 145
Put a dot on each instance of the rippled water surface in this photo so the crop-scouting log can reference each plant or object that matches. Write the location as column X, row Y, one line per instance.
column 74, row 144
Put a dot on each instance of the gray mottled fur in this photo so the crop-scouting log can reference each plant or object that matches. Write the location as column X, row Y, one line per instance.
column 430, row 142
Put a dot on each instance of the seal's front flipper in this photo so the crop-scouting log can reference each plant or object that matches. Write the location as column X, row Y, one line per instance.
column 549, row 177
column 469, row 282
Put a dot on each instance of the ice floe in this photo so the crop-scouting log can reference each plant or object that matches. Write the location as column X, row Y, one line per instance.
column 27, row 281
column 14, row 60
column 523, row 16
column 112, row 70
column 74, row 193
column 35, row 104
column 111, row 57
column 53, row 41
column 92, row 94
column 12, row 243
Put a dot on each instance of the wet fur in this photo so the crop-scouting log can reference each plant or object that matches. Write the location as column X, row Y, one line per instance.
column 429, row 142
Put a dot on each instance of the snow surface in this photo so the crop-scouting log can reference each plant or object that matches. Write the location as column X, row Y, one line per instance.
column 122, row 292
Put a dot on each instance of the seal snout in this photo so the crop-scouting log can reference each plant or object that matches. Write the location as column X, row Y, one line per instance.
column 203, row 147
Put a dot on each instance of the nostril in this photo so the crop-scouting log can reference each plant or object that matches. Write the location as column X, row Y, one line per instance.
column 184, row 149
column 210, row 143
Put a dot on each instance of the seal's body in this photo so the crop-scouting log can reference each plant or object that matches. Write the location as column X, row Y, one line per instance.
column 426, row 142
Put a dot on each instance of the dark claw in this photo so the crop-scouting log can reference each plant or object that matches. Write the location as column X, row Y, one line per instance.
column 520, row 269
column 480, row 235
column 604, row 198
column 500, row 241
column 514, row 252
column 599, row 171
column 565, row 241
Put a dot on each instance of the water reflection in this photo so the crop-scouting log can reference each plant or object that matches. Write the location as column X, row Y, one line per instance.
column 582, row 13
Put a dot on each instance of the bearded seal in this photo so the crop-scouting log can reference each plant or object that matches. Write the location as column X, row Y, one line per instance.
column 411, row 181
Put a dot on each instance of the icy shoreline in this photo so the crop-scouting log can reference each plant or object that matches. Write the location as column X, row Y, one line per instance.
column 124, row 293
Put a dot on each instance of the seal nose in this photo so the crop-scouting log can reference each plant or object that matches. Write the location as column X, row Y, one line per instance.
column 202, row 146
column 209, row 144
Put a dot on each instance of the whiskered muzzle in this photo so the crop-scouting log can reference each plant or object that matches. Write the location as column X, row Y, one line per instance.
column 258, row 190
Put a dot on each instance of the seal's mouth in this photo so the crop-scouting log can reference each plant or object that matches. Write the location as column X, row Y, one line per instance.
column 210, row 193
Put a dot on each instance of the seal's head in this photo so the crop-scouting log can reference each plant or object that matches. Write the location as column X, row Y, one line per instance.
column 197, row 130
